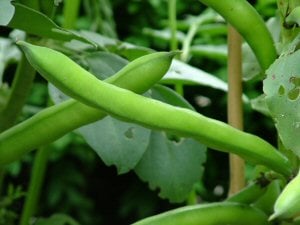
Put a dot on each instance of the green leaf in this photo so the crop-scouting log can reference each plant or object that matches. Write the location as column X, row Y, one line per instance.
column 282, row 89
column 210, row 51
column 117, row 143
column 166, row 94
column 259, row 104
column 173, row 167
column 7, row 12
column 103, row 64
column 250, row 66
column 41, row 25
column 181, row 72
column 163, row 35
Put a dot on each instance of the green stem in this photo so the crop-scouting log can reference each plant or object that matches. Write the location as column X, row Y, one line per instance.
column 188, row 41
column 70, row 12
column 20, row 89
column 206, row 16
column 179, row 89
column 36, row 182
column 173, row 24
column 107, row 12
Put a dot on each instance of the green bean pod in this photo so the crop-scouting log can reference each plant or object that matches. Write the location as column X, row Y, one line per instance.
column 245, row 19
column 248, row 194
column 55, row 121
column 209, row 214
column 129, row 106
column 287, row 204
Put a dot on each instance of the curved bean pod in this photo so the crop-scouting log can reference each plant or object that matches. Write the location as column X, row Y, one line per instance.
column 209, row 214
column 245, row 19
column 54, row 122
column 129, row 106
column 287, row 204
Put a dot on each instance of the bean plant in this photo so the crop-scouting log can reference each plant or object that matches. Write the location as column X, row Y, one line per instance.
column 112, row 94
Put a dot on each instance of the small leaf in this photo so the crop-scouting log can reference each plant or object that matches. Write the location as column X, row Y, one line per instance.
column 173, row 167
column 282, row 87
column 7, row 12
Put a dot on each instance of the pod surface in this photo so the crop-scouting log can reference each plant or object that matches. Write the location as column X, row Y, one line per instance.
column 209, row 214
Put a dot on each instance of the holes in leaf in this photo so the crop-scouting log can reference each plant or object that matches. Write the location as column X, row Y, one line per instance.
column 173, row 137
column 281, row 90
column 129, row 133
column 294, row 93
column 295, row 81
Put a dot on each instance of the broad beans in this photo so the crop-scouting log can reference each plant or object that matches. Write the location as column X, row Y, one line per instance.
column 129, row 106
column 54, row 122
column 249, row 194
column 209, row 214
column 245, row 19
column 287, row 204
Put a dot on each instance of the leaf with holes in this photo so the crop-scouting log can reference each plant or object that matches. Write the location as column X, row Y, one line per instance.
column 117, row 143
column 173, row 167
column 282, row 89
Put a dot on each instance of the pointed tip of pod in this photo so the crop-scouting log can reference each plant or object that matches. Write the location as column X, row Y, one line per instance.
column 174, row 53
column 23, row 44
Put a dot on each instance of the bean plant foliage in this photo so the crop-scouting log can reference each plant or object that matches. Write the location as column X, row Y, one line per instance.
column 170, row 156
column 282, row 90
column 135, row 147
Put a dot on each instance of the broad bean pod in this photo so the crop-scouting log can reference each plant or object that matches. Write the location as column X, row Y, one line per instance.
column 245, row 19
column 287, row 204
column 55, row 121
column 129, row 106
column 209, row 214
column 248, row 194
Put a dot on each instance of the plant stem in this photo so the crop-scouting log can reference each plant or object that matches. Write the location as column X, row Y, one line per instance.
column 173, row 24
column 70, row 13
column 22, row 83
column 174, row 41
column 234, row 109
column 36, row 182
column 20, row 89
column 107, row 11
column 205, row 17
